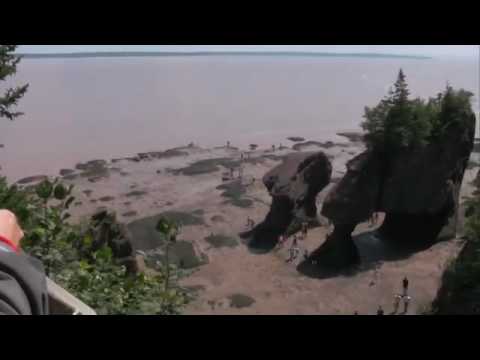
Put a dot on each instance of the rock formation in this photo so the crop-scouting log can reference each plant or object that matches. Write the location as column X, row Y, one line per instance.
column 107, row 231
column 417, row 190
column 294, row 186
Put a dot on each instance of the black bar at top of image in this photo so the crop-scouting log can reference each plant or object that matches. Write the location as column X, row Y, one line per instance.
column 323, row 26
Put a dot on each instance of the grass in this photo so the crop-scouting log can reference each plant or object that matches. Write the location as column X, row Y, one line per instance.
column 234, row 191
column 207, row 166
column 240, row 301
column 144, row 235
column 130, row 214
column 181, row 254
column 136, row 193
column 241, row 203
column 93, row 169
column 220, row 241
column 217, row 218
column 183, row 218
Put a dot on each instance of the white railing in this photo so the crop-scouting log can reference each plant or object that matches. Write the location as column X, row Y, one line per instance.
column 63, row 303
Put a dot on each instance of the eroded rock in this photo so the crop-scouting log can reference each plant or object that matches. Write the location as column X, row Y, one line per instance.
column 418, row 190
column 293, row 186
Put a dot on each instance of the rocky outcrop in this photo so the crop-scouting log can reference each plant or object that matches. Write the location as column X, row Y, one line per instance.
column 293, row 185
column 417, row 190
column 107, row 231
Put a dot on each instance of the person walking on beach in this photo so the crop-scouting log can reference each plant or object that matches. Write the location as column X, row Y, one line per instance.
column 305, row 255
column 294, row 250
column 304, row 229
column 282, row 239
column 396, row 303
column 406, row 303
column 405, row 284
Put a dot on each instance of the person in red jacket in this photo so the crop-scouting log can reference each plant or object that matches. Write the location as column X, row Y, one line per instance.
column 23, row 284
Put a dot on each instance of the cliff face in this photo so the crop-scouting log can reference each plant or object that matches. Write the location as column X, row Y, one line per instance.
column 417, row 190
column 294, row 186
column 459, row 293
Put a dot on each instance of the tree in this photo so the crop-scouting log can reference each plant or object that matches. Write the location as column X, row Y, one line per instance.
column 397, row 122
column 8, row 67
column 401, row 92
column 170, row 231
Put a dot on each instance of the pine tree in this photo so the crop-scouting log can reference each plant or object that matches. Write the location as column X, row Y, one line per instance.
column 8, row 67
column 401, row 92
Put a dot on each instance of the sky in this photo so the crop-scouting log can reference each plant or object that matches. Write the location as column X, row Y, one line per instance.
column 471, row 51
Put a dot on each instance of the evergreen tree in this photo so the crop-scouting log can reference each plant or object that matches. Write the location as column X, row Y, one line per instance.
column 397, row 122
column 401, row 92
column 8, row 67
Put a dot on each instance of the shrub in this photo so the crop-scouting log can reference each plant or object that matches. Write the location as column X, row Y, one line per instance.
column 92, row 275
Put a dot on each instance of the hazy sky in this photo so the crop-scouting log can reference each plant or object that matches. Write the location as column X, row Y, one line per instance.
column 430, row 50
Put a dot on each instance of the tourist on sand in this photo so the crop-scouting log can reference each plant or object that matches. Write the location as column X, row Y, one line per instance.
column 294, row 251
column 406, row 303
column 273, row 148
column 282, row 239
column 305, row 255
column 396, row 303
column 380, row 311
column 304, row 229
column 405, row 287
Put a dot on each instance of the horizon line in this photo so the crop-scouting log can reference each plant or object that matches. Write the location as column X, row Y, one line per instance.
column 218, row 53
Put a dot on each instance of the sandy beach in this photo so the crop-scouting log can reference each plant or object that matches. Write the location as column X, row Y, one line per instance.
column 226, row 278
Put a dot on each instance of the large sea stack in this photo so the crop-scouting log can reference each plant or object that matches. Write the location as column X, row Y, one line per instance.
column 294, row 186
column 417, row 189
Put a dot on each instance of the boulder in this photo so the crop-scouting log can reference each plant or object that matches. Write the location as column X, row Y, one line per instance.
column 293, row 186
column 32, row 179
column 107, row 231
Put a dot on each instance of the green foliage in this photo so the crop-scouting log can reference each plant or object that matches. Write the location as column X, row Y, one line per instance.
column 398, row 122
column 19, row 202
column 460, row 292
column 70, row 257
column 8, row 67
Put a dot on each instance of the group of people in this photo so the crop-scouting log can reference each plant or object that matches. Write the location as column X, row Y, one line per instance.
column 398, row 298
column 294, row 251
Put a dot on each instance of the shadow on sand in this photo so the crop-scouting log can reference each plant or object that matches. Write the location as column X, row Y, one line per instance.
column 372, row 250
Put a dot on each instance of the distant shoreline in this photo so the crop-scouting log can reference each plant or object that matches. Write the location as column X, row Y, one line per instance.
column 217, row 53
